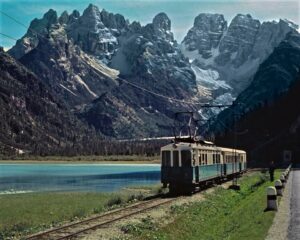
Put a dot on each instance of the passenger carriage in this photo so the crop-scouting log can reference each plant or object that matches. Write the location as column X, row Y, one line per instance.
column 186, row 165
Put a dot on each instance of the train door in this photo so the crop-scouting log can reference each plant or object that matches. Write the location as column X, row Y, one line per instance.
column 224, row 163
column 196, row 164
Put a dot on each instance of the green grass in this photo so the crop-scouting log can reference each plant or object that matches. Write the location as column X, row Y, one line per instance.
column 23, row 214
column 224, row 214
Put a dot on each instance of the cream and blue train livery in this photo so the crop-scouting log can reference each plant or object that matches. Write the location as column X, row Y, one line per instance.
column 185, row 165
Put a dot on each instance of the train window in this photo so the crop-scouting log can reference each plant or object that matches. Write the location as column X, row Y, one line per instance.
column 186, row 158
column 175, row 159
column 195, row 161
column 166, row 158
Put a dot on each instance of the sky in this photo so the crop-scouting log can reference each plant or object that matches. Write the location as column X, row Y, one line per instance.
column 181, row 13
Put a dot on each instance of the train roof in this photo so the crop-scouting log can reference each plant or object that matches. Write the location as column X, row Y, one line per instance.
column 184, row 145
column 231, row 150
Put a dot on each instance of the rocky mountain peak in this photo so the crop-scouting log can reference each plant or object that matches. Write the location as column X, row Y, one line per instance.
column 64, row 18
column 113, row 21
column 74, row 16
column 76, row 77
column 209, row 21
column 160, row 28
column 233, row 53
column 50, row 16
column 289, row 24
column 91, row 10
column 240, row 39
column 244, row 19
column 205, row 34
column 162, row 21
column 135, row 27
column 37, row 29
column 91, row 18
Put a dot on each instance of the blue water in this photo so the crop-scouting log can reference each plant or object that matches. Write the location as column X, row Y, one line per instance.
column 16, row 178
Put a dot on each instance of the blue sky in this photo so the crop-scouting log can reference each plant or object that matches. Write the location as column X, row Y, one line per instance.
column 181, row 13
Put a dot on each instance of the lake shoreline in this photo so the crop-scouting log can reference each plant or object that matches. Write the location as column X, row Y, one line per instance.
column 113, row 159
column 77, row 162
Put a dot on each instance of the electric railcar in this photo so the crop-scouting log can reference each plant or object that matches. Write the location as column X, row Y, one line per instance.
column 184, row 166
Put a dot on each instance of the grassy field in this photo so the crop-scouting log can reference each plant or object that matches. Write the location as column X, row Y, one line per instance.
column 22, row 214
column 82, row 159
column 224, row 214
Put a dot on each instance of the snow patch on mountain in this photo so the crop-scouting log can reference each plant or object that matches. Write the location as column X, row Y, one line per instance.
column 224, row 99
column 67, row 89
column 209, row 78
column 78, row 79
column 194, row 55
column 225, row 58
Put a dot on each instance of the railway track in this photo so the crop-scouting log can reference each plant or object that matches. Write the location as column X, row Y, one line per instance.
column 73, row 230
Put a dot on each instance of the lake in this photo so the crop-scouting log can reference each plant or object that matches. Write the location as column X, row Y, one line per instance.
column 21, row 178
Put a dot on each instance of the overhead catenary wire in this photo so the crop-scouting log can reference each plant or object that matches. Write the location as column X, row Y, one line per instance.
column 7, row 36
column 22, row 24
column 203, row 105
column 154, row 93
column 14, row 19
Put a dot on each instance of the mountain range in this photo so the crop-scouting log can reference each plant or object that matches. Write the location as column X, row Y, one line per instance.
column 266, row 113
column 126, row 80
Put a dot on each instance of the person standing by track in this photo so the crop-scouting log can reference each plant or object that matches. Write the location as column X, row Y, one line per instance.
column 271, row 170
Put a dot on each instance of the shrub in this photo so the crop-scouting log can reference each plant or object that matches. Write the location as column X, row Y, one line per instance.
column 115, row 200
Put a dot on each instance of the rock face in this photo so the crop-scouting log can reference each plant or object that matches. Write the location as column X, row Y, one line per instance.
column 32, row 118
column 85, row 54
column 225, row 59
column 268, row 116
column 113, row 73
column 269, row 36
column 37, row 28
column 155, row 63
column 206, row 33
column 96, row 32
column 274, row 78
column 76, row 77
column 239, row 38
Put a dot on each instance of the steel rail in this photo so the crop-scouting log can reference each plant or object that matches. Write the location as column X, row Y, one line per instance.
column 141, row 207
column 65, row 232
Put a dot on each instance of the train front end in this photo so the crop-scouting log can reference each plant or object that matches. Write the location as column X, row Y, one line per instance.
column 176, row 167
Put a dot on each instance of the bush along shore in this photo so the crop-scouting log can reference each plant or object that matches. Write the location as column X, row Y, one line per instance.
column 81, row 159
column 223, row 214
